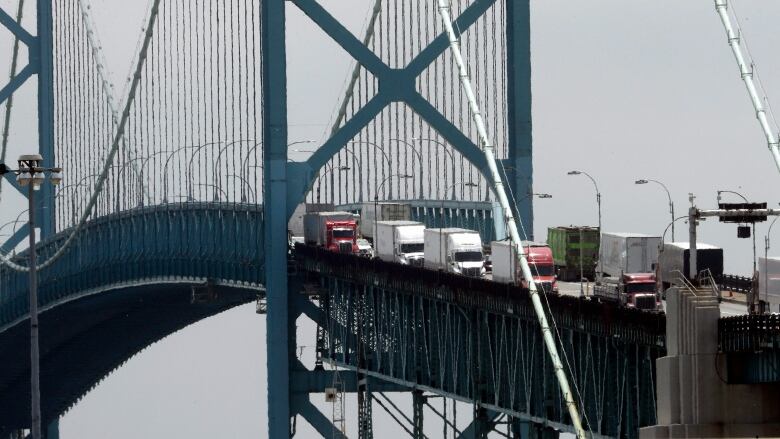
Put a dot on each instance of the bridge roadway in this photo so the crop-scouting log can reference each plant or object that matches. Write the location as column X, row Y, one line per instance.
column 479, row 342
column 130, row 279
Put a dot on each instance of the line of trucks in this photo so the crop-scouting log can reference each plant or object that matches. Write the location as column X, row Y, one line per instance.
column 634, row 269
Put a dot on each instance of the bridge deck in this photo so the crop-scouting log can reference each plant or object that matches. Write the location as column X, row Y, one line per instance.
column 479, row 341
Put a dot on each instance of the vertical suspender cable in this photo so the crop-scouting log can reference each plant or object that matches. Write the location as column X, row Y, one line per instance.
column 552, row 349
column 120, row 131
column 747, row 76
column 9, row 103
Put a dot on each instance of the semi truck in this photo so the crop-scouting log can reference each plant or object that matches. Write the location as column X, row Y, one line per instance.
column 400, row 241
column 769, row 282
column 566, row 243
column 673, row 262
column 454, row 250
column 506, row 267
column 628, row 253
column 335, row 231
column 630, row 290
column 384, row 212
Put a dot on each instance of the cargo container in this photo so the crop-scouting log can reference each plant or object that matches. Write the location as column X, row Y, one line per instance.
column 336, row 231
column 454, row 250
column 769, row 282
column 673, row 261
column 566, row 243
column 385, row 211
column 506, row 266
column 401, row 241
column 628, row 253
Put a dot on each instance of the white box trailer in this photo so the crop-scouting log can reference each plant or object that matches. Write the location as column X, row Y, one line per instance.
column 385, row 211
column 628, row 253
column 769, row 281
column 673, row 261
column 400, row 241
column 454, row 250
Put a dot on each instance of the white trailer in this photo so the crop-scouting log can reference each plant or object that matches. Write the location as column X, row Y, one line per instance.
column 628, row 253
column 454, row 250
column 673, row 261
column 385, row 211
column 769, row 281
column 400, row 241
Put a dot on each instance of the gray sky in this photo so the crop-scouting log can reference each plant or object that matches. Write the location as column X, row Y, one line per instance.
column 622, row 90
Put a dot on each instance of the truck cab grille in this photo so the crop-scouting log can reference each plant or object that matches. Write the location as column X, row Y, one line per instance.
column 417, row 262
column 472, row 272
column 345, row 247
column 645, row 302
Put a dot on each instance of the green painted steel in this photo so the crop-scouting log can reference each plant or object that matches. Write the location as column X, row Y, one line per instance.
column 219, row 241
column 479, row 341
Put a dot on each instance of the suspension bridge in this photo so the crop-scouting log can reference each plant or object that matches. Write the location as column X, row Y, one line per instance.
column 177, row 196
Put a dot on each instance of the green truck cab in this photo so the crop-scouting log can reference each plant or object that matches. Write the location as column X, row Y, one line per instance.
column 566, row 243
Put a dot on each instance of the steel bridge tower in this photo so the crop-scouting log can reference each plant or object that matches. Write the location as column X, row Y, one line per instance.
column 286, row 183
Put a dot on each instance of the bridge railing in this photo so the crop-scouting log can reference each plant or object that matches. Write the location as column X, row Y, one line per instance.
column 480, row 341
column 216, row 241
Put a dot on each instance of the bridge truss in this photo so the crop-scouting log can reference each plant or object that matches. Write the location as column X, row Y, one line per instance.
column 138, row 166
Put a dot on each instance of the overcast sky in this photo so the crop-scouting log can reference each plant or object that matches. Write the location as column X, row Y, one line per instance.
column 622, row 90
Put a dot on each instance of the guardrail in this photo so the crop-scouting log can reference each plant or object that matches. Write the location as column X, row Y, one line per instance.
column 739, row 284
column 749, row 333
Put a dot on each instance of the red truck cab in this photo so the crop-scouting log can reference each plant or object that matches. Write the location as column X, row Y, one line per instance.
column 640, row 291
column 342, row 236
column 540, row 260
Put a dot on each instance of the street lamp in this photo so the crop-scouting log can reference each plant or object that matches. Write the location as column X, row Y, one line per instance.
column 381, row 150
column 598, row 201
column 329, row 171
column 33, row 175
column 447, row 151
column 419, row 157
column 753, row 224
column 668, row 195
column 376, row 199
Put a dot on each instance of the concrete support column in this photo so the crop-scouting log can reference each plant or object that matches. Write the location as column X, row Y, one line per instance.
column 694, row 397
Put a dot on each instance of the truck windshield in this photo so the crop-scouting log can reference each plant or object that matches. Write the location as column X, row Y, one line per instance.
column 468, row 257
column 640, row 288
column 542, row 270
column 413, row 248
column 343, row 233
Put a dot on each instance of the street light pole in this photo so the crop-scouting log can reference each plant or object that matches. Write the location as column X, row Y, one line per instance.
column 446, row 151
column 419, row 157
column 376, row 201
column 31, row 174
column 598, row 202
column 668, row 196
column 766, row 260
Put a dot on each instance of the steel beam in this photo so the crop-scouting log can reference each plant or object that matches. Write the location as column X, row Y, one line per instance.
column 520, row 141
column 15, row 28
column 46, row 204
column 279, row 348
column 316, row 419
